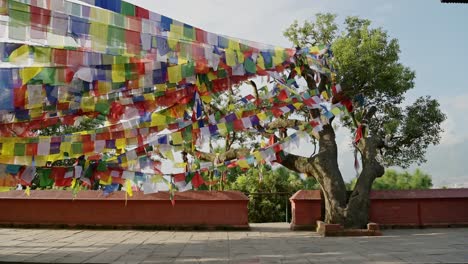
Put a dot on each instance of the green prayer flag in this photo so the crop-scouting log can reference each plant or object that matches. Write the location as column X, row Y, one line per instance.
column 115, row 40
column 222, row 73
column 102, row 107
column 127, row 9
column 118, row 20
column 102, row 166
column 20, row 17
column 188, row 70
column 187, row 134
column 20, row 149
column 47, row 76
column 229, row 126
column 17, row 6
column 77, row 148
column 189, row 33
column 44, row 177
column 250, row 66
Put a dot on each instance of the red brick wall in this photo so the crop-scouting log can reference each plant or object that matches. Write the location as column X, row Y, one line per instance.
column 412, row 208
column 90, row 208
column 306, row 209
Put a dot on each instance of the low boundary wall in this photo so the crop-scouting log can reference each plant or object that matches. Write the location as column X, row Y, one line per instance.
column 395, row 208
column 192, row 210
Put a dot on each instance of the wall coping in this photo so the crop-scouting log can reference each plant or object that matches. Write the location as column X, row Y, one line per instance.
column 120, row 195
column 419, row 194
column 306, row 195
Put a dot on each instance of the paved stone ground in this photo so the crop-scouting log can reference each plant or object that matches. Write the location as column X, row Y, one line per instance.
column 265, row 243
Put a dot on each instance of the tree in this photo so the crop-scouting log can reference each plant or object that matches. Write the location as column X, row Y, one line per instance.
column 387, row 133
column 365, row 76
column 393, row 180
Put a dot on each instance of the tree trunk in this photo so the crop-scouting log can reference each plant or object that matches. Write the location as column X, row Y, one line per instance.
column 352, row 212
column 357, row 210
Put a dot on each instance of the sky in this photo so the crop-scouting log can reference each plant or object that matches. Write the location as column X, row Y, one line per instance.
column 433, row 39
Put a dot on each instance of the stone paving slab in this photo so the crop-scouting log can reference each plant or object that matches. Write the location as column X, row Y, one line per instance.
column 265, row 243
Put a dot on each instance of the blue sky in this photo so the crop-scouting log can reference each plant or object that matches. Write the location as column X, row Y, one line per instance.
column 433, row 39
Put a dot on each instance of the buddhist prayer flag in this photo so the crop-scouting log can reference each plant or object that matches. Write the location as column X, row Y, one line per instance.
column 148, row 77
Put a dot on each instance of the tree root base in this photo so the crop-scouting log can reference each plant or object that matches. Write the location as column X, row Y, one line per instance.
column 326, row 230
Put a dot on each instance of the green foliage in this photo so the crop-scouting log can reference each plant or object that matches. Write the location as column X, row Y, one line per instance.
column 60, row 129
column 393, row 180
column 322, row 31
column 269, row 191
column 366, row 62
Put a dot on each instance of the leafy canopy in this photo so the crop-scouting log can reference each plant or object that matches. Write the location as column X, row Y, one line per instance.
column 393, row 180
column 367, row 66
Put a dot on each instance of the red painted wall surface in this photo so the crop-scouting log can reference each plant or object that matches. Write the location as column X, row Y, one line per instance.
column 306, row 209
column 437, row 207
column 91, row 208
column 402, row 208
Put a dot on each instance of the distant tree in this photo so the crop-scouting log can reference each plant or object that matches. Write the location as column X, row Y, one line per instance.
column 393, row 180
column 269, row 191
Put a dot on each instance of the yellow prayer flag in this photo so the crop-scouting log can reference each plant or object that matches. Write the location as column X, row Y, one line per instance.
column 279, row 52
column 180, row 165
column 177, row 138
column 336, row 111
column 240, row 57
column 28, row 73
column 65, row 147
column 8, row 148
column 175, row 73
column 314, row 50
column 243, row 164
column 35, row 113
column 118, row 73
column 98, row 33
column 176, row 30
column 298, row 105
column 206, row 99
column 258, row 156
column 158, row 119
column 233, row 45
column 222, row 129
column 298, row 70
column 231, row 57
column 168, row 154
column 262, row 116
column 104, row 87
column 260, row 61
column 173, row 42
column 128, row 187
column 27, row 191
column 21, row 54
column 149, row 97
column 161, row 87
column 277, row 60
column 88, row 104
column 100, row 15
column 325, row 95
column 120, row 143
column 212, row 76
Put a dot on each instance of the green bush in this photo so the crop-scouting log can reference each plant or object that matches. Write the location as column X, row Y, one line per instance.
column 269, row 191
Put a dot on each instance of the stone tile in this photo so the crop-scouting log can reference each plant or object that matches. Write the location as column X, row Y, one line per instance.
column 266, row 243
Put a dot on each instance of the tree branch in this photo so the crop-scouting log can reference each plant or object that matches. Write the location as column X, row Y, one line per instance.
column 285, row 123
column 228, row 155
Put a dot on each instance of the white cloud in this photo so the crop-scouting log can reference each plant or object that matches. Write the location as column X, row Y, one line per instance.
column 456, row 124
